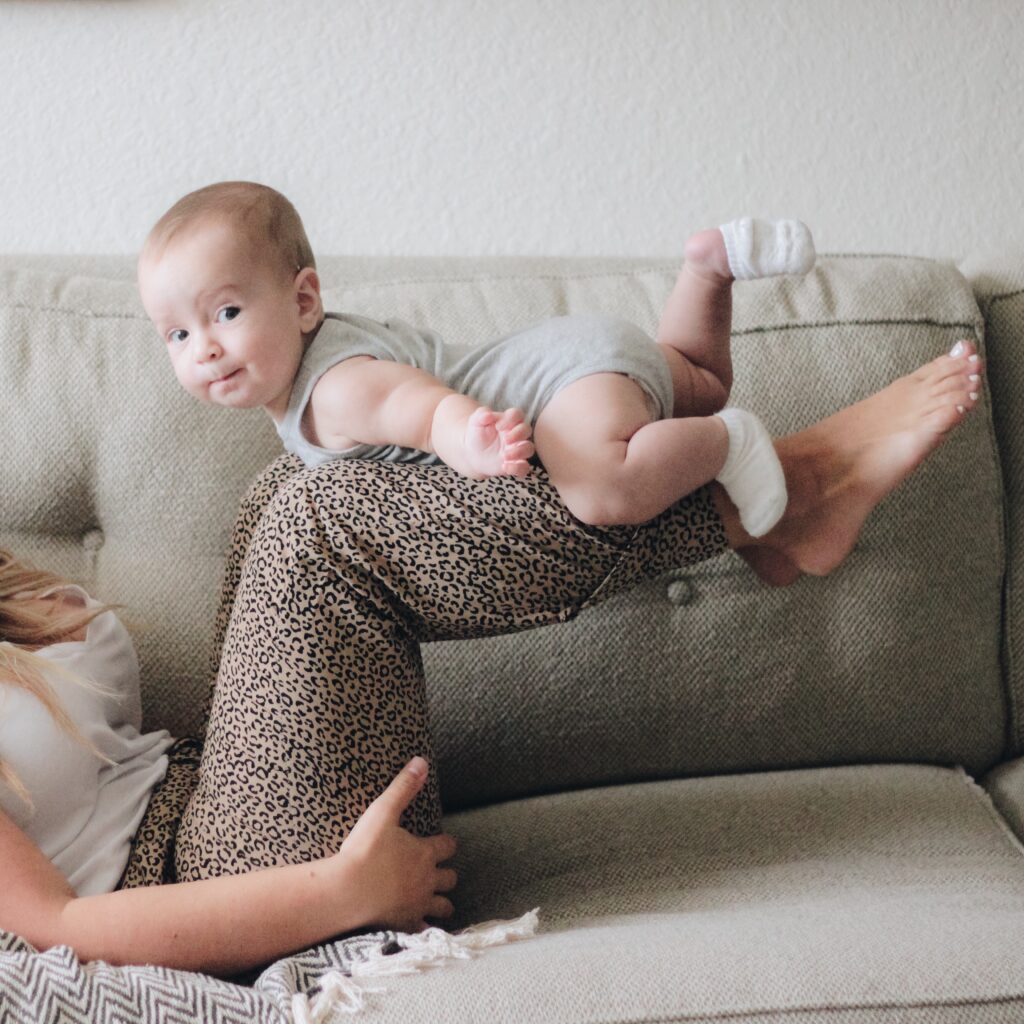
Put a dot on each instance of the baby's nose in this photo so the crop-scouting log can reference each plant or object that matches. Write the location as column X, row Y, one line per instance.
column 206, row 348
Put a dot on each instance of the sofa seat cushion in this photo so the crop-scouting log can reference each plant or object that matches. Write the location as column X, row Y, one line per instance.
column 865, row 893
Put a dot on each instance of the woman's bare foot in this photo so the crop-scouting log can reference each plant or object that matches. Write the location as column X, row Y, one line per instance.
column 838, row 470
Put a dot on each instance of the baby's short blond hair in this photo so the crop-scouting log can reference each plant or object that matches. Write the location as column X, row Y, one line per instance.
column 268, row 220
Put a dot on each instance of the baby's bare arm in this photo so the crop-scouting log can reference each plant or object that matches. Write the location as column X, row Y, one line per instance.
column 374, row 401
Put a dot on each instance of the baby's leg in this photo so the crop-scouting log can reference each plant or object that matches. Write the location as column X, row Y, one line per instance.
column 695, row 327
column 611, row 464
column 697, row 321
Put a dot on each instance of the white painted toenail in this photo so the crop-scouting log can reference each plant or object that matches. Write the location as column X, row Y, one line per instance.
column 973, row 359
column 960, row 409
column 957, row 349
column 974, row 377
column 973, row 396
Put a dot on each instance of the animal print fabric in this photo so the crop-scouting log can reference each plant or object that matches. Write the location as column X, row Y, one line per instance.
column 151, row 858
column 337, row 574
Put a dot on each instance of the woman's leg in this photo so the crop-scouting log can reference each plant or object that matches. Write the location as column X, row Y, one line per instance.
column 320, row 697
column 261, row 492
column 151, row 858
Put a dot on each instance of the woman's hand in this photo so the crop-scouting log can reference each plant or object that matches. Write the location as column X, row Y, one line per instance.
column 391, row 872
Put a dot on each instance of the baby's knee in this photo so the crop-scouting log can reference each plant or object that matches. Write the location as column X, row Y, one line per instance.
column 717, row 395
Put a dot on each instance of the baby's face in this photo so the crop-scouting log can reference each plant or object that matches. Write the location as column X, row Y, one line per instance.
column 231, row 326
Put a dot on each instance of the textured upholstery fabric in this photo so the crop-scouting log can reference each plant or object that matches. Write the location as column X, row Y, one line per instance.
column 998, row 280
column 858, row 894
column 1005, row 784
column 117, row 478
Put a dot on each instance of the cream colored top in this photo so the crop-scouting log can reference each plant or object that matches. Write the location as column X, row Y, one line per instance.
column 86, row 811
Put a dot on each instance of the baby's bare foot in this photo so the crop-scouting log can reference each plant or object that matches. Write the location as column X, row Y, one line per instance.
column 839, row 469
column 498, row 444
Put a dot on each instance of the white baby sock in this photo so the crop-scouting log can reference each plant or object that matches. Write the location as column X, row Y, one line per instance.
column 752, row 475
column 766, row 248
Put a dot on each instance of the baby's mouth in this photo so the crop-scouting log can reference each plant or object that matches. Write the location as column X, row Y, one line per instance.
column 227, row 376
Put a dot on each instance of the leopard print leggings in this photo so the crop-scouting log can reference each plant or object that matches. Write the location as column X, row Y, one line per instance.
column 151, row 859
column 337, row 574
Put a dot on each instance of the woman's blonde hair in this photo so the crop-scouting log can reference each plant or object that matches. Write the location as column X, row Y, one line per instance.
column 24, row 628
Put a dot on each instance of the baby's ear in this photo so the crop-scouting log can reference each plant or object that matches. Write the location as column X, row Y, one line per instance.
column 307, row 295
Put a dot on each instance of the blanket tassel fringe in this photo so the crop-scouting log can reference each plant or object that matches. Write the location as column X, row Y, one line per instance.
column 339, row 992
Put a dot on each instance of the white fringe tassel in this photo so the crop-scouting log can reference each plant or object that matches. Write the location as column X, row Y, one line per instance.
column 422, row 949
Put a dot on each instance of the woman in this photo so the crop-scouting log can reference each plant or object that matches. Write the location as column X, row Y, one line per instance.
column 293, row 832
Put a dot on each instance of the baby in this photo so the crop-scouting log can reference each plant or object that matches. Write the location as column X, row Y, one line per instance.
column 625, row 426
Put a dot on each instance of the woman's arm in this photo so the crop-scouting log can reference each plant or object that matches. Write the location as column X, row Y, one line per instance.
column 382, row 876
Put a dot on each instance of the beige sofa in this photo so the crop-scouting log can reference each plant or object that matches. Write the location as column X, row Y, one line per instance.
column 729, row 802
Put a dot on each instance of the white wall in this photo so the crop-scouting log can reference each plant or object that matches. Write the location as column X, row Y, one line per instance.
column 474, row 127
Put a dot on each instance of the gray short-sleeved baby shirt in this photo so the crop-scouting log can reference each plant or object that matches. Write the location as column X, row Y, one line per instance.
column 524, row 369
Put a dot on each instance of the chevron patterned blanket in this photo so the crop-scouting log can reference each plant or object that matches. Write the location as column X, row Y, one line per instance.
column 54, row 987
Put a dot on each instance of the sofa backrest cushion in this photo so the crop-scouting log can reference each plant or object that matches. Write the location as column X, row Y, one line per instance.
column 115, row 477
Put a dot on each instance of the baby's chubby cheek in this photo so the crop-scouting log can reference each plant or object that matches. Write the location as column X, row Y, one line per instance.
column 188, row 382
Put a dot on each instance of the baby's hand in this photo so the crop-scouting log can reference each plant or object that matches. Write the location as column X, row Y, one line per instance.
column 498, row 444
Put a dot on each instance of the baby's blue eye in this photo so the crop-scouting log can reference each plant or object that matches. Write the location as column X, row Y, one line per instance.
column 227, row 314
column 177, row 335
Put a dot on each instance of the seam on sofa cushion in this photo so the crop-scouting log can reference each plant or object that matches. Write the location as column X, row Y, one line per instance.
column 86, row 313
column 992, row 299
column 881, row 322
column 1015, row 726
column 883, row 256
column 654, row 266
column 813, row 325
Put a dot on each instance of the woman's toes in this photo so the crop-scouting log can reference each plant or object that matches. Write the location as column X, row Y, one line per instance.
column 946, row 415
column 964, row 347
column 958, row 384
column 949, row 368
